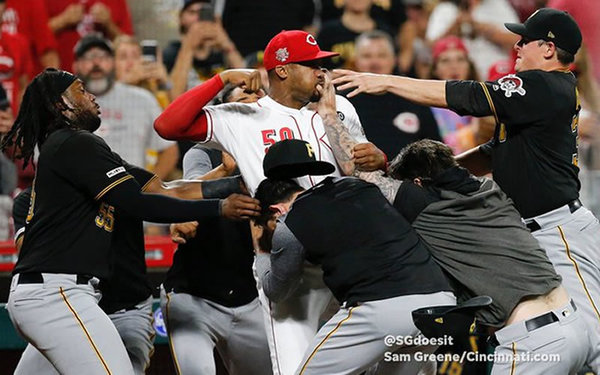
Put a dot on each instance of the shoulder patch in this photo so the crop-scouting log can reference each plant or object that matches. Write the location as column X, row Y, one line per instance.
column 114, row 172
column 511, row 84
column 341, row 115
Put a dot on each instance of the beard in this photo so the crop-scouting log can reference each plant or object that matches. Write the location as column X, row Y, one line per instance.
column 98, row 86
column 85, row 119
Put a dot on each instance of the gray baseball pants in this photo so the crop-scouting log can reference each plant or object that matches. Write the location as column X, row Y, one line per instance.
column 63, row 321
column 134, row 327
column 559, row 348
column 196, row 326
column 356, row 338
column 572, row 242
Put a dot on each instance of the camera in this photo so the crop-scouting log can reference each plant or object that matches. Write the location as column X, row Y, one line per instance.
column 149, row 50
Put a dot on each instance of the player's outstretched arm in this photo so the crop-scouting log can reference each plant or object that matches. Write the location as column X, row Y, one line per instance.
column 161, row 209
column 476, row 161
column 425, row 92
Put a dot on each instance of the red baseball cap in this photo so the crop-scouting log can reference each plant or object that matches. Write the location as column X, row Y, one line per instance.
column 449, row 42
column 291, row 46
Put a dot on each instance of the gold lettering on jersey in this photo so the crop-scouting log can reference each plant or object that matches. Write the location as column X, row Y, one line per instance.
column 502, row 133
column 310, row 151
column 575, row 160
column 575, row 121
column 31, row 205
column 106, row 217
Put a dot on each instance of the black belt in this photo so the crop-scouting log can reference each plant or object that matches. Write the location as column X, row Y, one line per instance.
column 37, row 278
column 573, row 206
column 534, row 323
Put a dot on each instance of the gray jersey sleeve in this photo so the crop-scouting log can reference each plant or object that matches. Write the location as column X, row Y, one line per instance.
column 196, row 163
column 279, row 273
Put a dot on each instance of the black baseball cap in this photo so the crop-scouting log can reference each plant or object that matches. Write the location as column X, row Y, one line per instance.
column 293, row 158
column 90, row 41
column 551, row 25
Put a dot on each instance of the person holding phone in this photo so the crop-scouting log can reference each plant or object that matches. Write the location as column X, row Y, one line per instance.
column 140, row 64
column 203, row 50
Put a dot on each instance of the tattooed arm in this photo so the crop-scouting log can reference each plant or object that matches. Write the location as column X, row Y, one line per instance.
column 342, row 144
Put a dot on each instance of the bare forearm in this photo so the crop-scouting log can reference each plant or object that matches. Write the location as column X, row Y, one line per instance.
column 475, row 161
column 430, row 93
column 341, row 141
column 388, row 186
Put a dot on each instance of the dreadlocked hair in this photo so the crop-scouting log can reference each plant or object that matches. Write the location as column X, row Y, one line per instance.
column 41, row 113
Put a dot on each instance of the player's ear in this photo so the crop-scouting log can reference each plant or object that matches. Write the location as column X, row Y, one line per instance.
column 417, row 181
column 549, row 50
column 281, row 71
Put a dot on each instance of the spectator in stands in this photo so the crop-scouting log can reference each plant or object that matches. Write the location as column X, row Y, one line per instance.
column 411, row 37
column 339, row 35
column 394, row 122
column 137, row 70
column 203, row 50
column 15, row 64
column 8, row 171
column 451, row 62
column 70, row 20
column 128, row 112
column 481, row 25
column 15, row 69
column 392, row 12
column 251, row 24
column 587, row 15
column 30, row 19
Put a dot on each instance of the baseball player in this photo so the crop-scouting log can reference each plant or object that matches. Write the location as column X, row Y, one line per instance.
column 53, row 301
column 474, row 233
column 209, row 296
column 246, row 131
column 126, row 295
column 372, row 261
column 533, row 154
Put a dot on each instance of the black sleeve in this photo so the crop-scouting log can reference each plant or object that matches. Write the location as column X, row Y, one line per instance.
column 87, row 162
column 142, row 176
column 514, row 99
column 20, row 210
column 127, row 196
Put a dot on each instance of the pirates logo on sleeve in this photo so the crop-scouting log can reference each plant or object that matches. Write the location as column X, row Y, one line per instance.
column 511, row 84
column 341, row 116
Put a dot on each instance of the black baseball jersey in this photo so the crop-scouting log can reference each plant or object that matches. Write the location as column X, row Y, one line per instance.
column 127, row 285
column 69, row 229
column 367, row 250
column 534, row 148
column 20, row 209
column 216, row 264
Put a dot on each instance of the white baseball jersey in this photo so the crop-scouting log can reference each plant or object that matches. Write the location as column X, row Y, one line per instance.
column 246, row 131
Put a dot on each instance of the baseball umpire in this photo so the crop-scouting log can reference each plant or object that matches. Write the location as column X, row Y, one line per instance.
column 53, row 300
column 533, row 155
